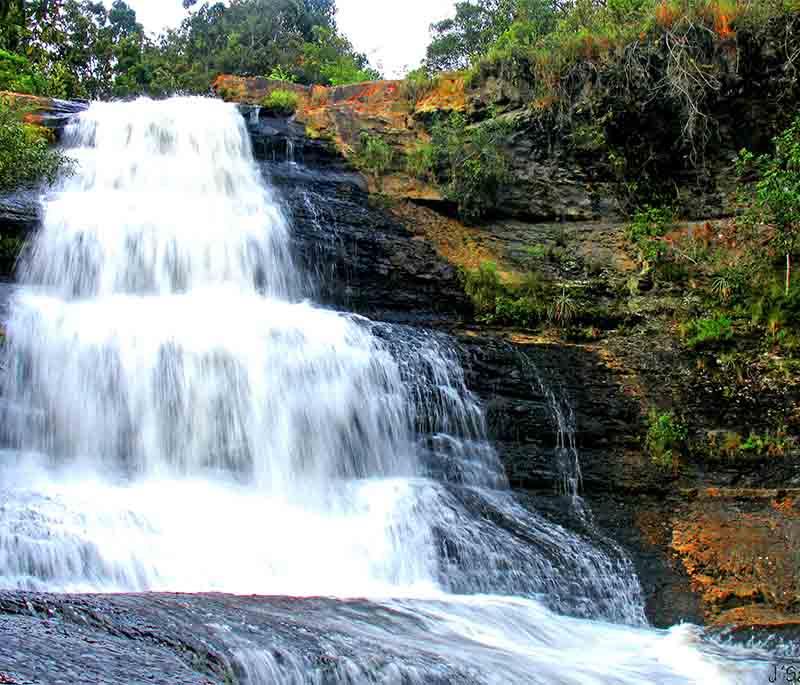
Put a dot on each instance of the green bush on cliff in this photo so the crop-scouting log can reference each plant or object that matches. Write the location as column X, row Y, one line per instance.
column 417, row 84
column 26, row 158
column 775, row 195
column 483, row 285
column 421, row 161
column 281, row 102
column 472, row 162
column 18, row 75
column 281, row 73
column 646, row 232
column 770, row 444
column 373, row 155
column 563, row 309
column 666, row 437
column 523, row 304
column 771, row 307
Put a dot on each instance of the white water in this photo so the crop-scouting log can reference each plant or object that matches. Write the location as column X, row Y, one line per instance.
column 181, row 421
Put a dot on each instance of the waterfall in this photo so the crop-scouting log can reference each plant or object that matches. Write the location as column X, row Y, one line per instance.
column 177, row 417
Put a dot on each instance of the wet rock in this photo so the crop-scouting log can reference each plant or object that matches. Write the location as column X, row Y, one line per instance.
column 50, row 113
column 363, row 257
column 19, row 212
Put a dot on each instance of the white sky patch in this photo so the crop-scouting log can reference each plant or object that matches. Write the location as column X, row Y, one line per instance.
column 156, row 15
column 394, row 35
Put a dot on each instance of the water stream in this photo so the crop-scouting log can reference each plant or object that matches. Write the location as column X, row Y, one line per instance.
column 179, row 417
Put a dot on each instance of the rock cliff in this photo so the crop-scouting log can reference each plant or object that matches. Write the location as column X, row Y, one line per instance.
column 391, row 248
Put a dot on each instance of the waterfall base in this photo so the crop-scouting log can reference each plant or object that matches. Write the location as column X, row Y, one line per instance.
column 205, row 639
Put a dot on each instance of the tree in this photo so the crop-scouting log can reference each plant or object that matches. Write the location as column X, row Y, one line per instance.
column 480, row 24
column 776, row 193
column 78, row 49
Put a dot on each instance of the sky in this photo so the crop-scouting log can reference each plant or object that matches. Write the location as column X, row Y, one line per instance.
column 393, row 34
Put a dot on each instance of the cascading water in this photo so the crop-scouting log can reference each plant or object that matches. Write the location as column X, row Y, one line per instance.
column 179, row 419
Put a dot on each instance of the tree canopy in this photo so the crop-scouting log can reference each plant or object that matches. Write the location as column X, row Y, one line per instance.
column 479, row 24
column 80, row 49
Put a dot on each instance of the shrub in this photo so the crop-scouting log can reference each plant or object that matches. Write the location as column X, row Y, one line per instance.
column 281, row 102
column 420, row 162
column 17, row 74
column 771, row 307
column 537, row 251
column 709, row 332
column 646, row 231
column 776, row 193
column 771, row 444
column 474, row 164
column 666, row 437
column 26, row 159
column 495, row 302
column 417, row 84
column 483, row 286
column 280, row 73
column 519, row 311
column 373, row 155
column 563, row 309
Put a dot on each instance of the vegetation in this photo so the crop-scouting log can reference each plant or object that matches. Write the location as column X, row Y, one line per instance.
column 666, row 438
column 80, row 49
column 775, row 195
column 420, row 162
column 730, row 445
column 418, row 83
column 469, row 163
column 480, row 26
column 647, row 230
column 26, row 159
column 582, row 62
column 373, row 155
column 563, row 309
column 527, row 304
column 283, row 102
column 769, row 444
column 709, row 332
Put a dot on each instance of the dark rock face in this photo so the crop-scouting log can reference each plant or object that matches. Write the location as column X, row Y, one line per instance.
column 19, row 212
column 611, row 132
column 525, row 385
column 362, row 257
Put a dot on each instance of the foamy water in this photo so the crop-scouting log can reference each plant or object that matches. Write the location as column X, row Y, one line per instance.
column 179, row 419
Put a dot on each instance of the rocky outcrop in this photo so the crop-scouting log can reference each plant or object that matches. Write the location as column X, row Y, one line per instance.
column 19, row 212
column 614, row 133
column 210, row 640
column 362, row 256
column 50, row 113
column 740, row 550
